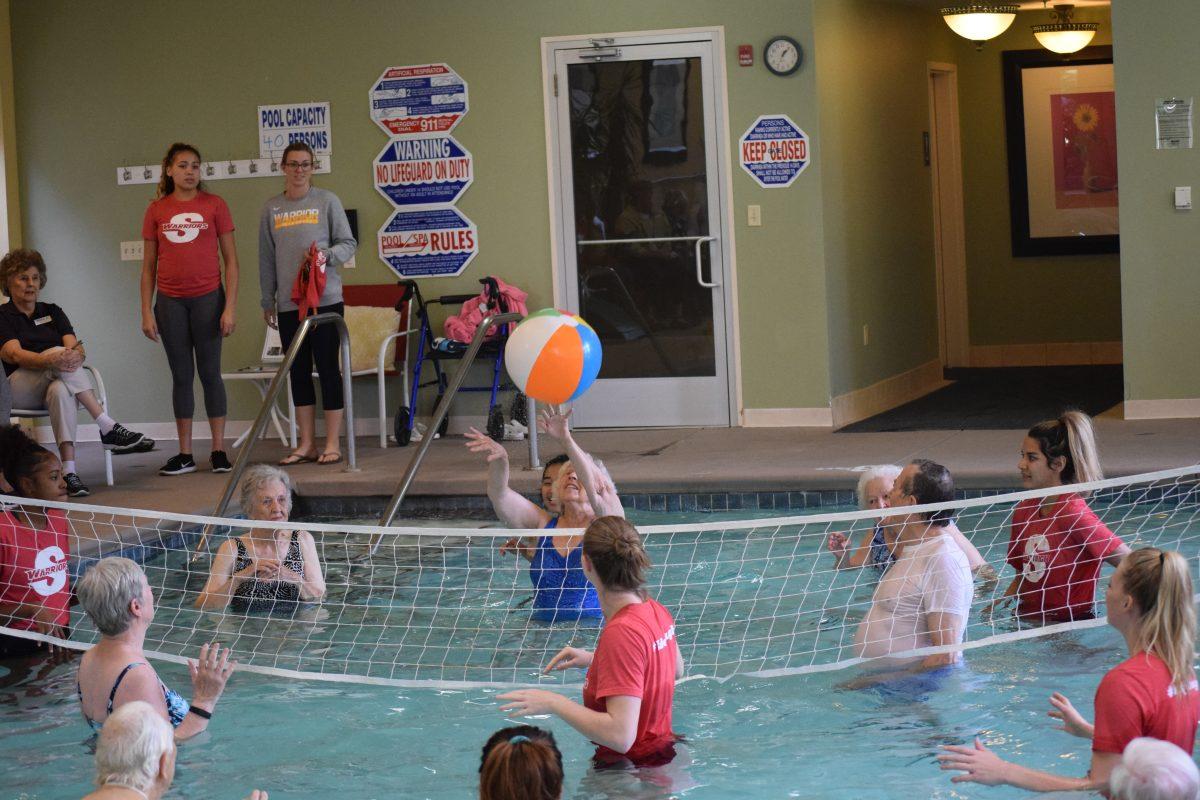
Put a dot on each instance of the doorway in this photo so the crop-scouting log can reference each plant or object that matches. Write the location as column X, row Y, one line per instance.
column 949, row 228
column 640, row 173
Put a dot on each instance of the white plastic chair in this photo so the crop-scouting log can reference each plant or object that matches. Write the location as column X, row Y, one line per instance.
column 101, row 395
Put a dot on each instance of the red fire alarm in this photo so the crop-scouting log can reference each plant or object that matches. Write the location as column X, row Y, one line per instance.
column 745, row 55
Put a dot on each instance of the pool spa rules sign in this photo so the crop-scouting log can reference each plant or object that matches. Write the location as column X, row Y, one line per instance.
column 422, row 98
column 428, row 242
column 423, row 170
column 773, row 151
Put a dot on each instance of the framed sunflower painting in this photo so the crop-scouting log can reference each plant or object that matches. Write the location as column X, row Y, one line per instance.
column 1060, row 120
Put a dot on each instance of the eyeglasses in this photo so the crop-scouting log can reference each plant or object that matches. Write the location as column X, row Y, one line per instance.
column 298, row 164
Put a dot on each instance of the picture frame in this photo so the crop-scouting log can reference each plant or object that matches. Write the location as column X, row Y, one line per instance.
column 1060, row 133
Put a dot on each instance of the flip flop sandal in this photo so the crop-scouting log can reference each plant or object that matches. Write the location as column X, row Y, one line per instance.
column 326, row 459
column 296, row 458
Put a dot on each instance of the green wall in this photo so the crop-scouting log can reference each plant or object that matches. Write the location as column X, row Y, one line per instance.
column 88, row 99
column 878, row 204
column 8, row 133
column 1022, row 300
column 1156, row 56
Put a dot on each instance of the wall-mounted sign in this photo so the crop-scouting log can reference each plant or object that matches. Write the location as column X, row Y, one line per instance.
column 432, row 242
column 1173, row 123
column 773, row 151
column 294, row 122
column 424, row 98
column 423, row 170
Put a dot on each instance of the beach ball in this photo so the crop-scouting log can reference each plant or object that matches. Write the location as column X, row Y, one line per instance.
column 553, row 356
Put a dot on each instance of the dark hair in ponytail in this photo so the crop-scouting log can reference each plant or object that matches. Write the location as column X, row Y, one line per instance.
column 615, row 549
column 20, row 456
column 521, row 763
column 1071, row 438
column 166, row 184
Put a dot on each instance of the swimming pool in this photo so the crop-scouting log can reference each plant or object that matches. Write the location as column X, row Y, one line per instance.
column 799, row 736
column 795, row 735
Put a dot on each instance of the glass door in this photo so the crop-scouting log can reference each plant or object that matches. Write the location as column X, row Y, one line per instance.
column 641, row 219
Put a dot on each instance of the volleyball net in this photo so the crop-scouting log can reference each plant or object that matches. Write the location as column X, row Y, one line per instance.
column 443, row 607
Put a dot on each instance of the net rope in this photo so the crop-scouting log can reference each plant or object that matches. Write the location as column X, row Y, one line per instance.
column 442, row 607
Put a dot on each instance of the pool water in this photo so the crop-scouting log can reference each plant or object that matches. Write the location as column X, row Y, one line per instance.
column 744, row 600
column 799, row 736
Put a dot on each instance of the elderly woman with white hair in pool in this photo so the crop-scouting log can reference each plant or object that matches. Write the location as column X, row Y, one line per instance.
column 265, row 569
column 117, row 598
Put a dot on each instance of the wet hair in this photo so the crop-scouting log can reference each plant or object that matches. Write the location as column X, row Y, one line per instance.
column 1151, row 769
column 561, row 458
column 297, row 147
column 257, row 476
column 20, row 456
column 520, row 762
column 931, row 483
column 106, row 590
column 17, row 261
column 1161, row 585
column 888, row 472
column 615, row 549
column 1071, row 438
column 166, row 184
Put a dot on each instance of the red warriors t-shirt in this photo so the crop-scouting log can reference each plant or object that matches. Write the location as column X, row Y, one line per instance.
column 186, row 232
column 33, row 566
column 636, row 657
column 1136, row 699
column 1059, row 557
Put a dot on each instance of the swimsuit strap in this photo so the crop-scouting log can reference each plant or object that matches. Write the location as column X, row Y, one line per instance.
column 117, row 683
column 553, row 523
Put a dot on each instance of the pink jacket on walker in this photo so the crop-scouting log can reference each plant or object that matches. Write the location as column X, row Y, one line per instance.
column 462, row 328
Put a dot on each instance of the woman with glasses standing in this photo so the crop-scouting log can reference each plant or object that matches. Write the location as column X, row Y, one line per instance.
column 292, row 222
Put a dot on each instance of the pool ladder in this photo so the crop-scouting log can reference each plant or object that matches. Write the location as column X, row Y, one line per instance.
column 277, row 383
column 439, row 415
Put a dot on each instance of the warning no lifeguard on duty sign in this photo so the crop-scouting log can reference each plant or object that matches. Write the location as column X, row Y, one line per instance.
column 773, row 151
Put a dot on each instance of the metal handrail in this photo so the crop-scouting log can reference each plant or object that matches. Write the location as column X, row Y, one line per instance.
column 440, row 413
column 277, row 384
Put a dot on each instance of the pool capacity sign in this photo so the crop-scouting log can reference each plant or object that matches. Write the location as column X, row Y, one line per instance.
column 774, row 151
column 423, row 170
column 428, row 242
column 278, row 126
column 423, row 98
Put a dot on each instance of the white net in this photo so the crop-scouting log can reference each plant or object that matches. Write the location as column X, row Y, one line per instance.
column 441, row 607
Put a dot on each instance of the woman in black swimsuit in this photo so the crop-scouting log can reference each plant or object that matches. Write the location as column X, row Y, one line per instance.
column 265, row 569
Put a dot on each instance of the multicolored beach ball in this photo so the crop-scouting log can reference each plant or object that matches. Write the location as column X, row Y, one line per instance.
column 553, row 356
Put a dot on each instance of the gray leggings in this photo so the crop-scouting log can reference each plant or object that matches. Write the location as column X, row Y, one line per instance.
column 187, row 325
column 5, row 397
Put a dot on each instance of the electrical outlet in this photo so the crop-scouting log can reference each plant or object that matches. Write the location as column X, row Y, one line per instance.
column 754, row 216
column 866, row 335
column 132, row 251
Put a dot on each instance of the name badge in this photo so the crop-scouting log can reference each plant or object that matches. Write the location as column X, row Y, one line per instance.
column 42, row 320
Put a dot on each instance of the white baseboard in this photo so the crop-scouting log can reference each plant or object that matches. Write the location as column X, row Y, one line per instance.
column 888, row 393
column 165, row 431
column 1163, row 409
column 1045, row 354
column 786, row 418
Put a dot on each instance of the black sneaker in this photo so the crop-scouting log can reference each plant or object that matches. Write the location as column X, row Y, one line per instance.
column 220, row 462
column 121, row 440
column 75, row 487
column 178, row 465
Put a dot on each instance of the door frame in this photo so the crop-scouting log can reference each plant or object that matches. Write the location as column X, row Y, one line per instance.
column 949, row 225
column 558, row 243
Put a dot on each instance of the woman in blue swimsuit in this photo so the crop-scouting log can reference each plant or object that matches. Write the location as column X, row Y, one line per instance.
column 117, row 598
column 561, row 592
column 875, row 548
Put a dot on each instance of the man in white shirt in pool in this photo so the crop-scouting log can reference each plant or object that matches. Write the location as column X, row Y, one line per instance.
column 925, row 596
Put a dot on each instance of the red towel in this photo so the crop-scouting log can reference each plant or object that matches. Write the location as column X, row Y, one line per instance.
column 310, row 281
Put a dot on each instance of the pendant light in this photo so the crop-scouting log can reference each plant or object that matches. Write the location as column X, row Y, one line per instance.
column 1064, row 35
column 980, row 21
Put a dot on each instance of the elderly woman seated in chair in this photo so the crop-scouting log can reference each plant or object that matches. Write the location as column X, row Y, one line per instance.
column 43, row 359
column 268, row 568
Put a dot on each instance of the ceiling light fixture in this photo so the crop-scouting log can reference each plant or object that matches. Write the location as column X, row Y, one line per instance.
column 980, row 21
column 1064, row 35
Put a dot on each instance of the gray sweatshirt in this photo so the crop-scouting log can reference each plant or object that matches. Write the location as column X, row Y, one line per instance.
column 287, row 229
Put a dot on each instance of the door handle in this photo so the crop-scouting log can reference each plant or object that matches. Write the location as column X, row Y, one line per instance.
column 699, row 272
